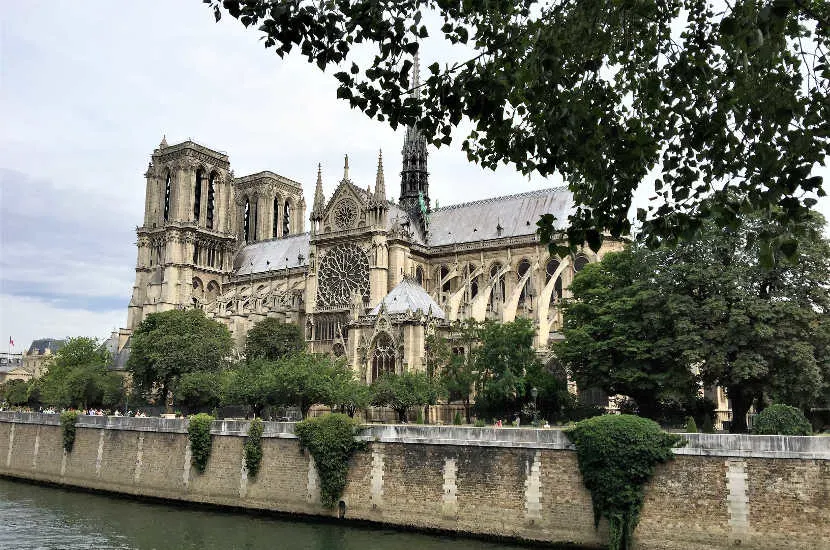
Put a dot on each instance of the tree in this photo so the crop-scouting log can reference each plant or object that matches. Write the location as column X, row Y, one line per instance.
column 199, row 390
column 251, row 383
column 623, row 334
column 502, row 361
column 272, row 339
column 15, row 392
column 168, row 344
column 306, row 379
column 348, row 393
column 728, row 105
column 641, row 317
column 77, row 377
column 400, row 392
column 458, row 375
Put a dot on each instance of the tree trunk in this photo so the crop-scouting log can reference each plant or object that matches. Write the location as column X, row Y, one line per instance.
column 467, row 409
column 740, row 405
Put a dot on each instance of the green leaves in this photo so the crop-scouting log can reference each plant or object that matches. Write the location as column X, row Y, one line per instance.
column 331, row 441
column 253, row 447
column 617, row 455
column 719, row 105
column 198, row 431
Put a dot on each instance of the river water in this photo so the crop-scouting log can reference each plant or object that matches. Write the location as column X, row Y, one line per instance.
column 37, row 517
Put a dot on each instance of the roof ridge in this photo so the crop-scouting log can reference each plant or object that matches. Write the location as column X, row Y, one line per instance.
column 502, row 197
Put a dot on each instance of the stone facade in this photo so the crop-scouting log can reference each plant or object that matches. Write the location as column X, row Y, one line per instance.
column 721, row 491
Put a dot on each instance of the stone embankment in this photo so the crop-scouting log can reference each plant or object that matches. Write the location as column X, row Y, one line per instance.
column 721, row 491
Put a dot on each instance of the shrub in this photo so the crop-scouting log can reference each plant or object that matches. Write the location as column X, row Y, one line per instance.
column 68, row 420
column 420, row 418
column 617, row 455
column 331, row 441
column 479, row 423
column 781, row 420
column 253, row 447
column 691, row 426
column 198, row 430
column 456, row 420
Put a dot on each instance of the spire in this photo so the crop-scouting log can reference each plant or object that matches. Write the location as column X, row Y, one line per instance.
column 416, row 76
column 319, row 199
column 414, row 196
column 346, row 169
column 380, row 186
column 163, row 143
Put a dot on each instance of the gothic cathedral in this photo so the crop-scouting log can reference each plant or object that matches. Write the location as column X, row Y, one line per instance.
column 369, row 280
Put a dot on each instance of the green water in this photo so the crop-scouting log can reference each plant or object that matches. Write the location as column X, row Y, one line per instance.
column 37, row 517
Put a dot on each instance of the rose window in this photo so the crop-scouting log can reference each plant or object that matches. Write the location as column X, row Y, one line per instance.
column 343, row 271
column 345, row 214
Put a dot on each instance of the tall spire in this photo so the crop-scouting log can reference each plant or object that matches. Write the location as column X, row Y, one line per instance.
column 380, row 186
column 414, row 197
column 319, row 199
column 346, row 169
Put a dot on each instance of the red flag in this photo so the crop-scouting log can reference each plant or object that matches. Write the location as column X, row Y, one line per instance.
column 11, row 341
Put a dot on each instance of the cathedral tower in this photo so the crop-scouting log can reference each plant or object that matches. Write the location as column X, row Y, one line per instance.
column 188, row 239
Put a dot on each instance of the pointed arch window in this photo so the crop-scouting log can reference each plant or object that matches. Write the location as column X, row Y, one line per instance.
column 286, row 219
column 246, row 220
column 419, row 275
column 523, row 268
column 211, row 200
column 580, row 262
column 254, row 218
column 197, row 194
column 550, row 269
column 383, row 357
column 167, row 186
column 275, row 226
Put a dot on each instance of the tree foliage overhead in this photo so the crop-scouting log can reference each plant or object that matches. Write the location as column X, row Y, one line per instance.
column 726, row 103
column 400, row 392
column 168, row 344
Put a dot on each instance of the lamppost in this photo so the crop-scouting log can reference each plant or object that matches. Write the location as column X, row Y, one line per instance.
column 534, row 393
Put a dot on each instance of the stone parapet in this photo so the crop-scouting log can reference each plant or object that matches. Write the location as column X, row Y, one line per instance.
column 714, row 445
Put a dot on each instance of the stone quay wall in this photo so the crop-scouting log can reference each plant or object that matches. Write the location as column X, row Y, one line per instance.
column 721, row 491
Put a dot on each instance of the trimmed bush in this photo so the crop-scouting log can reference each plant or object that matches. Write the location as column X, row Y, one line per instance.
column 68, row 421
column 331, row 441
column 781, row 419
column 253, row 447
column 198, row 430
column 456, row 420
column 617, row 455
column 691, row 426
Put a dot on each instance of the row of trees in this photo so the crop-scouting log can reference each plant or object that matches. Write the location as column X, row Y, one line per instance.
column 655, row 324
column 77, row 377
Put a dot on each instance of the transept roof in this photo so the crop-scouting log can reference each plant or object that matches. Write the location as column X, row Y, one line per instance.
column 408, row 296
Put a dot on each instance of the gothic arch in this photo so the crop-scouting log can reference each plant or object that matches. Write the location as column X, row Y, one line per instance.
column 383, row 356
column 213, row 291
column 212, row 191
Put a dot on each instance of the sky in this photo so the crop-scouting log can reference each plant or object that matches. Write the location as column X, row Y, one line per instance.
column 87, row 90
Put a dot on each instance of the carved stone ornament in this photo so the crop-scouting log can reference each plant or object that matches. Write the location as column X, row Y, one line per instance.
column 345, row 214
column 343, row 270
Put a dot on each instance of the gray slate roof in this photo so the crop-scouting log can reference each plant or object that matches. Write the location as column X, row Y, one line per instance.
column 517, row 214
column 253, row 258
column 409, row 296
column 40, row 346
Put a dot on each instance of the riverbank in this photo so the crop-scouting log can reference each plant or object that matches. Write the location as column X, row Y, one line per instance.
column 721, row 490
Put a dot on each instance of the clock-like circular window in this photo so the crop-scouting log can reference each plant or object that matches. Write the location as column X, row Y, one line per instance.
column 345, row 214
column 343, row 271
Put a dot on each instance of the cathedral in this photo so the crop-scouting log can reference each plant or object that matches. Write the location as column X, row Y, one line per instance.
column 370, row 279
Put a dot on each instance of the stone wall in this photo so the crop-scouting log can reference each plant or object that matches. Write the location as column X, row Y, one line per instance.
column 721, row 491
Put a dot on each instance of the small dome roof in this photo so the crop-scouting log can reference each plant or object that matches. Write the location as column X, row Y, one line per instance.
column 408, row 295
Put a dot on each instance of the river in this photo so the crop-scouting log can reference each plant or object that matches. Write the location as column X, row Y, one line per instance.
column 34, row 517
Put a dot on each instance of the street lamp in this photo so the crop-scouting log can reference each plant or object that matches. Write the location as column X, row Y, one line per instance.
column 534, row 393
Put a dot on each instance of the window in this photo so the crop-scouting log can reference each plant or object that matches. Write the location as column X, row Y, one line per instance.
column 167, row 197
column 419, row 275
column 246, row 220
column 275, row 226
column 523, row 268
column 197, row 194
column 286, row 220
column 383, row 357
column 443, row 273
column 580, row 262
column 211, row 200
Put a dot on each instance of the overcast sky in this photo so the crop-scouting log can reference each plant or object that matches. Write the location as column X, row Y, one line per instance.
column 89, row 88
